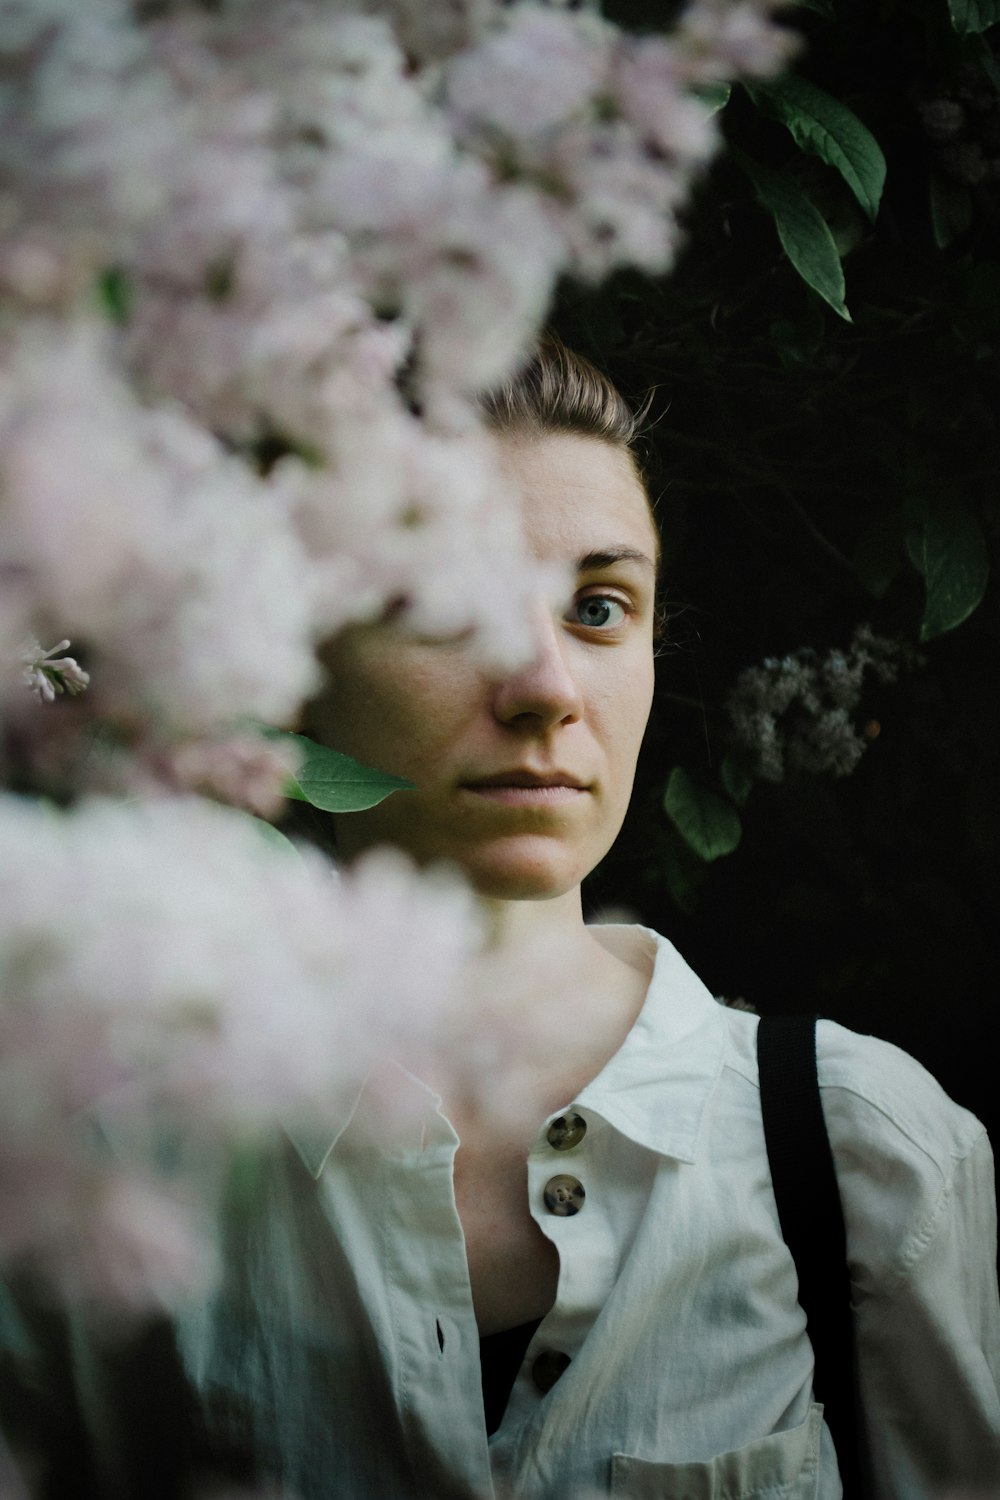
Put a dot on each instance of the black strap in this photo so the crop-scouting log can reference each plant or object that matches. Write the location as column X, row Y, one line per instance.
column 812, row 1223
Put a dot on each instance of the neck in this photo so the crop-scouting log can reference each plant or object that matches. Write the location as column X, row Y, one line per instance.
column 513, row 924
column 569, row 993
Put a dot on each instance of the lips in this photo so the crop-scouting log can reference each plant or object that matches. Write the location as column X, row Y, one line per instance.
column 529, row 779
column 527, row 791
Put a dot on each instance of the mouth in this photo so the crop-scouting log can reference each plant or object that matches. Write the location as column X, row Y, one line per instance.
column 528, row 788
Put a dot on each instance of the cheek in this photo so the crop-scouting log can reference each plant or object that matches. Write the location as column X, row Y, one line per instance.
column 625, row 710
column 393, row 709
column 355, row 708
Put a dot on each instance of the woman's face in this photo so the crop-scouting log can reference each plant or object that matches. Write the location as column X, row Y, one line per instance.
column 522, row 777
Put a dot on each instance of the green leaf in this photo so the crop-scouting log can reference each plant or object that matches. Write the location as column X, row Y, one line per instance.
column 335, row 782
column 987, row 61
column 948, row 547
column 708, row 823
column 683, row 871
column 951, row 208
column 804, row 233
column 715, row 95
column 274, row 836
column 738, row 778
column 823, row 125
column 878, row 555
column 969, row 17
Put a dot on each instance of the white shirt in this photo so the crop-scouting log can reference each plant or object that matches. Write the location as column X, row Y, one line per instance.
column 343, row 1344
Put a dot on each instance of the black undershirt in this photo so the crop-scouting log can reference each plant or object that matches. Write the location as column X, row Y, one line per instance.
column 501, row 1356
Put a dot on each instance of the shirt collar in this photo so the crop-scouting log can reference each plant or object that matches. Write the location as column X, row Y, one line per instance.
column 656, row 1087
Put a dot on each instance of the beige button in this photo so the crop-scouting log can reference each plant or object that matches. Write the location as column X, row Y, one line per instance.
column 564, row 1196
column 547, row 1368
column 566, row 1132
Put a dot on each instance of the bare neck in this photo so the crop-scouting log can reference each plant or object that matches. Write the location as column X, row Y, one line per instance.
column 578, row 990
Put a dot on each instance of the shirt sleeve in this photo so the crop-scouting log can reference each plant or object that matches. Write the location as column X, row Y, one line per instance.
column 917, row 1183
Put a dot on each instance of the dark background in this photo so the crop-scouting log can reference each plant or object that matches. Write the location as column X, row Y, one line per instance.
column 787, row 443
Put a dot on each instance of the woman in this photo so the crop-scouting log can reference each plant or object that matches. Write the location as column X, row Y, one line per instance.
column 622, row 1261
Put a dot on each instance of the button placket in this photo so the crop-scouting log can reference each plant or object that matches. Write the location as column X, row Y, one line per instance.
column 563, row 1196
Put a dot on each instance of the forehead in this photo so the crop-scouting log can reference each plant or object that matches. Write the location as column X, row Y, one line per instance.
column 578, row 494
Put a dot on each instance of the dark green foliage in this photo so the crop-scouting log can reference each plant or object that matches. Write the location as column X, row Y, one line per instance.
column 824, row 126
column 813, row 474
column 804, row 234
column 335, row 782
column 709, row 824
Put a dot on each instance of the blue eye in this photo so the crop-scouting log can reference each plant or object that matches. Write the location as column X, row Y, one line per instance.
column 599, row 611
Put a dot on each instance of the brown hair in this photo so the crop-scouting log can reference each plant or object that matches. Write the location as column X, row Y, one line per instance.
column 559, row 390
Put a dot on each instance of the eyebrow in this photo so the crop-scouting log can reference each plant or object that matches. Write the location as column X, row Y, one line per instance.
column 608, row 556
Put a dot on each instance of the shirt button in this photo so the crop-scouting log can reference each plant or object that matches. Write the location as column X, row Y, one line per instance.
column 547, row 1368
column 563, row 1196
column 566, row 1132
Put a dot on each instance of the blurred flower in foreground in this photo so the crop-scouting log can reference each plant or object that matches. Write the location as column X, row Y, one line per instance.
column 175, row 987
column 797, row 712
column 165, row 554
column 256, row 261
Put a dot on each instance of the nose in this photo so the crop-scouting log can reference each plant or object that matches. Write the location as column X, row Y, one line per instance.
column 543, row 693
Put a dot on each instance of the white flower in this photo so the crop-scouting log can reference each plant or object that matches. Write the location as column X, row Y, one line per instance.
column 798, row 710
column 48, row 674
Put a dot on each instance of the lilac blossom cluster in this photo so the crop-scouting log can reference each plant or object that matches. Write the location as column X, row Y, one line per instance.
column 797, row 712
column 199, row 1015
column 256, row 262
column 171, row 979
column 288, row 207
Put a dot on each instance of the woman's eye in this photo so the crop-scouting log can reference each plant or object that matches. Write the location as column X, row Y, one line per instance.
column 599, row 611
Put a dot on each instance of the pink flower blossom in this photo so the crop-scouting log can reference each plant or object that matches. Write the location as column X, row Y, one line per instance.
column 168, row 977
column 303, row 224
column 172, row 560
column 539, row 70
column 242, row 770
column 433, row 29
column 166, row 973
column 729, row 38
column 651, row 84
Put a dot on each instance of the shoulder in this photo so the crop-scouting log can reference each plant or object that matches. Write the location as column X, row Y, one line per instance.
column 871, row 1087
column 908, row 1157
column 905, row 1153
column 881, row 1089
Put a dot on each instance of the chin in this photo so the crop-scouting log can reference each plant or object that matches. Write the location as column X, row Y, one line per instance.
column 511, row 887
column 517, row 875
